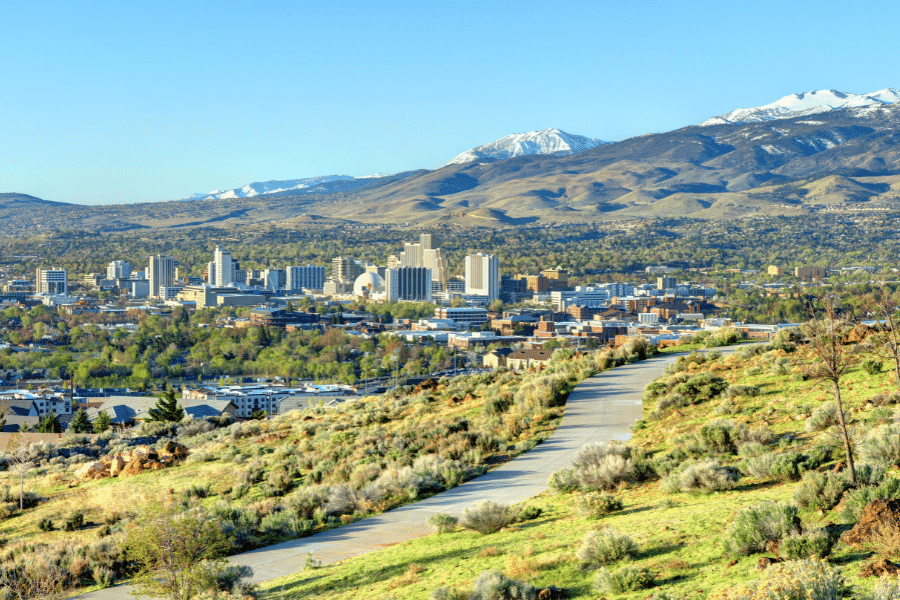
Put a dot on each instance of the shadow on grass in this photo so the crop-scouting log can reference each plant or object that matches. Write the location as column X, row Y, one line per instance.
column 660, row 550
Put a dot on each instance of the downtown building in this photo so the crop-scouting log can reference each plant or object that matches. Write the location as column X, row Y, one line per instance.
column 483, row 276
column 309, row 277
column 51, row 281
column 408, row 283
column 161, row 273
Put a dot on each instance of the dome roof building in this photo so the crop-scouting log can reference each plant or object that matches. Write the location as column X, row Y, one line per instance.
column 368, row 284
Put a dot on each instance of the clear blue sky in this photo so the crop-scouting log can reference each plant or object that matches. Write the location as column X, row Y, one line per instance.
column 109, row 102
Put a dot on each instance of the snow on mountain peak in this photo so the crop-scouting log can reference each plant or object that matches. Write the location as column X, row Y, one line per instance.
column 547, row 141
column 807, row 103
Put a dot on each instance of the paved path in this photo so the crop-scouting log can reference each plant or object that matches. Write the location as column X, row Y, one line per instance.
column 600, row 409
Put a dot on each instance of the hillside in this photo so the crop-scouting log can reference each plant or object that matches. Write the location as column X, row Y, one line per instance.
column 727, row 170
column 748, row 430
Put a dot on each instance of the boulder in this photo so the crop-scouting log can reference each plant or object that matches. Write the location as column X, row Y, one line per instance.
column 880, row 517
column 93, row 470
column 552, row 593
column 173, row 449
column 117, row 463
column 765, row 562
column 134, row 467
column 880, row 568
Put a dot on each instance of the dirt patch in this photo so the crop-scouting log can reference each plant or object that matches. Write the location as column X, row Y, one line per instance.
column 879, row 517
column 880, row 568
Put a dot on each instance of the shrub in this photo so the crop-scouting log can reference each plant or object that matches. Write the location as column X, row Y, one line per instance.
column 594, row 505
column 442, row 522
column 604, row 466
column 786, row 466
column 882, row 445
column 628, row 578
column 815, row 543
column 447, row 593
column 823, row 417
column 494, row 585
column 755, row 526
column 857, row 500
column 727, row 407
column 820, row 491
column 886, row 588
column 529, row 513
column 750, row 391
column 752, row 450
column 74, row 521
column 717, row 437
column 487, row 517
column 792, row 580
column 706, row 477
column 702, row 387
column 604, row 547
column 872, row 367
column 564, row 480
column 103, row 576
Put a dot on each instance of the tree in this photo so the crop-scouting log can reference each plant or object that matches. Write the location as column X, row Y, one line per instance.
column 49, row 424
column 103, row 422
column 167, row 408
column 38, row 580
column 883, row 305
column 20, row 461
column 833, row 358
column 80, row 423
column 179, row 551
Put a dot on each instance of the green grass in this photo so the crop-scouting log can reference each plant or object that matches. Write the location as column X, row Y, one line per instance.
column 680, row 535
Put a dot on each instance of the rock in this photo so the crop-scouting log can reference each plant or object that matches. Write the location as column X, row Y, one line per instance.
column 772, row 547
column 879, row 517
column 552, row 593
column 765, row 562
column 94, row 470
column 677, row 413
column 116, row 465
column 879, row 569
column 731, row 563
column 840, row 466
column 173, row 449
column 134, row 467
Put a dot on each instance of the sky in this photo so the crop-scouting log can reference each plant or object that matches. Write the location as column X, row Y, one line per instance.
column 122, row 102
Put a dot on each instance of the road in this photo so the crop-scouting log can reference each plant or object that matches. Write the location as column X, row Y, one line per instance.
column 600, row 409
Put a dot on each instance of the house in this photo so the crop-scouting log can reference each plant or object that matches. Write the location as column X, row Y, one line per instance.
column 521, row 360
column 496, row 358
column 129, row 410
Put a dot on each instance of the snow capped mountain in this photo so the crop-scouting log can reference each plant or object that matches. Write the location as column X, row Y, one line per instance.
column 548, row 141
column 809, row 103
column 271, row 187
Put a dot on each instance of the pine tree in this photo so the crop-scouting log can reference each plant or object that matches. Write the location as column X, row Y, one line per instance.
column 80, row 423
column 167, row 408
column 103, row 422
column 49, row 424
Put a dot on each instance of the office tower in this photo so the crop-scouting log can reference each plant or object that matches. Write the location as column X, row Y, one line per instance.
column 118, row 269
column 393, row 261
column 210, row 274
column 483, row 275
column 224, row 268
column 344, row 269
column 310, row 277
column 408, row 283
column 51, row 281
column 161, row 273
column 423, row 254
column 273, row 279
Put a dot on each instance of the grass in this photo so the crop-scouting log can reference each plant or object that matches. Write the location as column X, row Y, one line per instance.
column 680, row 535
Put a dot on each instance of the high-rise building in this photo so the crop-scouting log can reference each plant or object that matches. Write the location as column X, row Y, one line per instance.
column 310, row 277
column 664, row 282
column 51, row 281
column 345, row 269
column 273, row 279
column 483, row 275
column 408, row 283
column 210, row 274
column 118, row 269
column 161, row 273
column 224, row 267
column 423, row 254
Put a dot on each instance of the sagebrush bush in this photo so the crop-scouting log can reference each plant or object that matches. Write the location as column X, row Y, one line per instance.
column 564, row 480
column 755, row 526
column 820, row 491
column 750, row 391
column 487, row 517
column 727, row 407
column 791, row 580
column 823, row 417
column 626, row 579
column 494, row 585
column 706, row 477
column 857, row 500
column 74, row 521
column 886, row 588
column 595, row 505
column 603, row 466
column 442, row 522
column 447, row 592
column 882, row 445
column 813, row 543
column 701, row 387
column 605, row 546
column 786, row 466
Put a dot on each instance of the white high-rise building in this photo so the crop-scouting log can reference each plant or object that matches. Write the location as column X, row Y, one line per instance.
column 224, row 268
column 423, row 254
column 483, row 275
column 273, row 279
column 161, row 273
column 51, row 281
column 118, row 269
column 310, row 277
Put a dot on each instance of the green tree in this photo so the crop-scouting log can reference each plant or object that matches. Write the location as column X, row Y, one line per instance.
column 80, row 423
column 167, row 408
column 103, row 422
column 179, row 551
column 49, row 424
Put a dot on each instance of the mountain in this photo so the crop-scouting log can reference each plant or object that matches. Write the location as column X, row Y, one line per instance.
column 548, row 141
column 808, row 103
column 325, row 184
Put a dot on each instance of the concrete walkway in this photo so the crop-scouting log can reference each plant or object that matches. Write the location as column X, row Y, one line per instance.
column 600, row 409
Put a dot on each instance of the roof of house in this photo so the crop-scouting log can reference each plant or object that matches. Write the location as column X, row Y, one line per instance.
column 16, row 422
column 531, row 354
column 15, row 406
column 205, row 408
column 124, row 409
